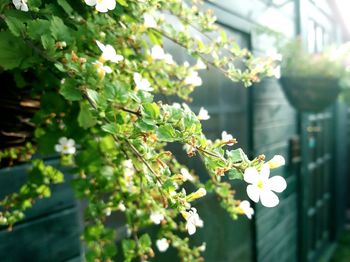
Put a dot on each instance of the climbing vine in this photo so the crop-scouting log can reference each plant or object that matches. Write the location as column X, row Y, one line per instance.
column 106, row 81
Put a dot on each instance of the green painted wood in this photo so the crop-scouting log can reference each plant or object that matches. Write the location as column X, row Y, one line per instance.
column 52, row 238
column 50, row 230
column 12, row 178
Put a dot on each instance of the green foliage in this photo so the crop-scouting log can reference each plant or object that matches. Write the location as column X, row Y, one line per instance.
column 113, row 128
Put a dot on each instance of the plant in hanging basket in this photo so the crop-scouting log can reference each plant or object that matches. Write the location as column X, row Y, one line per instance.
column 311, row 82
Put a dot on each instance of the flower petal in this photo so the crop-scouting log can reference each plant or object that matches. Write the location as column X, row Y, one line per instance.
column 110, row 4
column 253, row 193
column 265, row 171
column 251, row 175
column 100, row 45
column 277, row 184
column 268, row 198
column 58, row 148
column 191, row 228
column 90, row 2
column 63, row 140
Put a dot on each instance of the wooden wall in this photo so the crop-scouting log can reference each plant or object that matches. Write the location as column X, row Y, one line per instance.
column 51, row 229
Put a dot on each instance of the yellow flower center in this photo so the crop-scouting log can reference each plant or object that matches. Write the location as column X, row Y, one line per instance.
column 260, row 184
column 99, row 1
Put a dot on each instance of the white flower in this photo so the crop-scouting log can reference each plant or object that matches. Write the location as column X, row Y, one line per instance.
column 149, row 21
column 156, row 217
column 21, row 5
column 157, row 52
column 184, row 172
column 262, row 186
column 193, row 221
column 193, row 79
column 121, row 206
column 109, row 53
column 142, row 83
column 200, row 65
column 162, row 244
column 168, row 58
column 65, row 146
column 176, row 105
column 202, row 247
column 203, row 114
column 276, row 162
column 102, row 69
column 246, row 209
column 195, row 195
column 108, row 211
column 102, row 5
column 274, row 55
column 129, row 169
column 277, row 72
column 227, row 138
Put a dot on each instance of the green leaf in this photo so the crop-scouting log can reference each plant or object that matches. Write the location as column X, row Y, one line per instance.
column 235, row 174
column 237, row 156
column 155, row 37
column 66, row 7
column 85, row 117
column 112, row 128
column 14, row 52
column 145, row 243
column 15, row 25
column 166, row 133
column 34, row 4
column 38, row 28
column 59, row 30
column 69, row 91
column 122, row 2
column 48, row 42
column 151, row 110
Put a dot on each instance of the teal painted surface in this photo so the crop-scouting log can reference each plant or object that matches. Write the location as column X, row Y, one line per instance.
column 51, row 229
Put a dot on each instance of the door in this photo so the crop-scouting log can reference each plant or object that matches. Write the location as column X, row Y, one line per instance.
column 316, row 184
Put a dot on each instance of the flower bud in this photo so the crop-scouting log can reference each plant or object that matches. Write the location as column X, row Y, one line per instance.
column 198, row 194
column 276, row 161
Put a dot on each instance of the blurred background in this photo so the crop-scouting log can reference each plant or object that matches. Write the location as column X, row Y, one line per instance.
column 312, row 222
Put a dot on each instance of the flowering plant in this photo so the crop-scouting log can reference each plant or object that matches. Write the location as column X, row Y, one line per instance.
column 333, row 62
column 96, row 66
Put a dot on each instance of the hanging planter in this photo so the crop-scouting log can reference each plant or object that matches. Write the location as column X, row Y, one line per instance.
column 310, row 94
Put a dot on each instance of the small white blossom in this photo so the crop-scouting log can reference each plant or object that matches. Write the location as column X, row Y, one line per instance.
column 193, row 221
column 276, row 161
column 225, row 137
column 203, row 114
column 162, row 244
column 102, row 69
column 156, row 217
column 184, row 172
column 142, row 83
column 65, row 146
column 202, row 247
column 277, row 72
column 274, row 55
column 246, row 209
column 149, row 21
column 200, row 65
column 102, row 5
column 157, row 52
column 108, row 211
column 176, row 105
column 121, row 206
column 168, row 58
column 109, row 53
column 193, row 79
column 261, row 186
column 21, row 5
